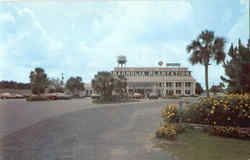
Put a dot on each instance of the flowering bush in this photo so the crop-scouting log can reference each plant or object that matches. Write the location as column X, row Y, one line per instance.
column 228, row 131
column 230, row 110
column 168, row 131
column 169, row 114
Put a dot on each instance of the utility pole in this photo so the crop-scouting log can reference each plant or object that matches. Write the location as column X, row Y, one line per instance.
column 62, row 79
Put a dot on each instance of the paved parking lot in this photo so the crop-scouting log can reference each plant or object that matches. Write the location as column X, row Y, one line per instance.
column 77, row 129
column 17, row 114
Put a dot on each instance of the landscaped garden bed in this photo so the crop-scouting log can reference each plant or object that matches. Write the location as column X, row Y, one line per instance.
column 226, row 119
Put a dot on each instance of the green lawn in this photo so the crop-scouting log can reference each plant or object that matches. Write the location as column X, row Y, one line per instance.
column 201, row 146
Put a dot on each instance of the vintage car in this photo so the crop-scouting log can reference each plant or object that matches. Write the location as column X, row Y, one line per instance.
column 153, row 96
column 138, row 96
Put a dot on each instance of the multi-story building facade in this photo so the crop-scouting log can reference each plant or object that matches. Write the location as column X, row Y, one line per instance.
column 162, row 80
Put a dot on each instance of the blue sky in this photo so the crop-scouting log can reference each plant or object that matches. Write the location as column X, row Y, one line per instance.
column 80, row 38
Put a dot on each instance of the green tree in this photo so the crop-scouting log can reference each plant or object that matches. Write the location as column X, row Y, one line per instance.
column 38, row 81
column 205, row 48
column 215, row 89
column 237, row 69
column 75, row 85
column 55, row 85
column 198, row 88
column 120, row 85
column 104, row 83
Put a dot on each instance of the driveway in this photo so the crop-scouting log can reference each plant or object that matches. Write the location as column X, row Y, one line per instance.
column 105, row 132
column 18, row 114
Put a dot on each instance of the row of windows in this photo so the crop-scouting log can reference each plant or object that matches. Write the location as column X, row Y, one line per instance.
column 171, row 92
column 177, row 84
column 151, row 73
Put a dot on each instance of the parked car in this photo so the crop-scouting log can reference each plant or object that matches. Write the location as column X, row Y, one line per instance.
column 153, row 96
column 62, row 96
column 138, row 96
column 52, row 96
column 19, row 96
column 95, row 96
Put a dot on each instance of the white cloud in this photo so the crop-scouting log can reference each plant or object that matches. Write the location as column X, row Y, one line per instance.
column 7, row 17
column 53, row 44
column 83, row 38
column 240, row 29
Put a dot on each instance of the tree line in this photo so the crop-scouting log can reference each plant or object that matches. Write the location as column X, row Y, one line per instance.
column 39, row 82
column 14, row 85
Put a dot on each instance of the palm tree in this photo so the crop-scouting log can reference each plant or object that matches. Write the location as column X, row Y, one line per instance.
column 38, row 80
column 205, row 48
column 103, row 83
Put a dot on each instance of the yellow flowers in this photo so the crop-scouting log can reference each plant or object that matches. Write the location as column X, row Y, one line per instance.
column 168, row 131
column 171, row 107
column 219, row 108
column 169, row 113
column 225, row 107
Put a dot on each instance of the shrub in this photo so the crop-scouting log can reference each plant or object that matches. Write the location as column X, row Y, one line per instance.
column 170, row 114
column 37, row 98
column 228, row 131
column 229, row 110
column 168, row 131
column 171, row 130
column 195, row 113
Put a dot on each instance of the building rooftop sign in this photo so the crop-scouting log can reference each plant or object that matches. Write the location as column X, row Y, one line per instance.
column 149, row 69
column 173, row 64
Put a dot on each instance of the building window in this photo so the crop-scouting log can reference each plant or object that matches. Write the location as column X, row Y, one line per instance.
column 170, row 92
column 187, row 84
column 168, row 84
column 178, row 84
column 178, row 91
column 187, row 92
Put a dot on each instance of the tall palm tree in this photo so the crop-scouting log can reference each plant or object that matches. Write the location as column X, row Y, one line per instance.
column 103, row 83
column 38, row 80
column 205, row 48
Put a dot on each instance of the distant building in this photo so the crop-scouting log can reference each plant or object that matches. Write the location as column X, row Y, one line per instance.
column 170, row 80
column 88, row 89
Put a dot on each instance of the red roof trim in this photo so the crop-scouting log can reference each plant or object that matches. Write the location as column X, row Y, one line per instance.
column 149, row 69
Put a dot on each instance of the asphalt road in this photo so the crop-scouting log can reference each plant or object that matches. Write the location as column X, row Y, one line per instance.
column 79, row 130
column 18, row 114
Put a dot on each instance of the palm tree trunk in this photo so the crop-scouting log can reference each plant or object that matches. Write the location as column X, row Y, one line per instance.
column 206, row 79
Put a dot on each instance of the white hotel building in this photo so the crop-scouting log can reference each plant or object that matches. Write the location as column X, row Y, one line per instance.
column 162, row 80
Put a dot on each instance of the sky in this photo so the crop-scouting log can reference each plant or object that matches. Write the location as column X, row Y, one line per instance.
column 80, row 38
